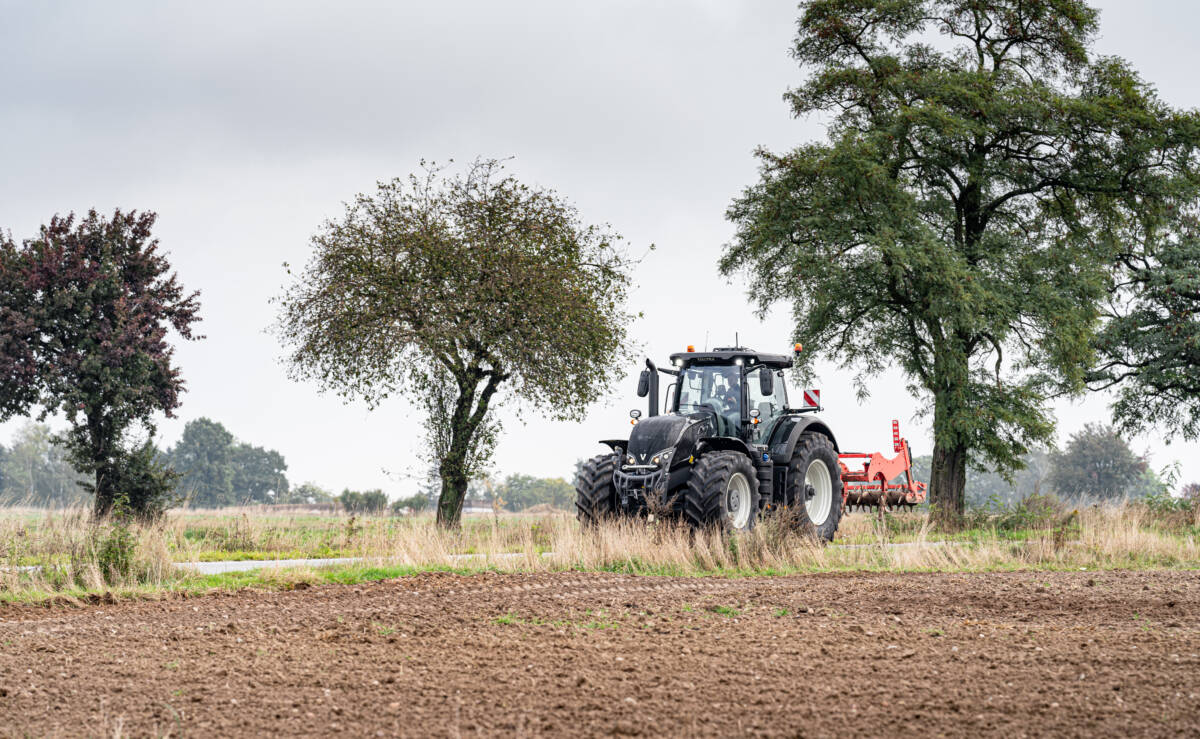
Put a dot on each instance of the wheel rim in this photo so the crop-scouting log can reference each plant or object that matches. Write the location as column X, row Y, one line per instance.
column 737, row 500
column 820, row 504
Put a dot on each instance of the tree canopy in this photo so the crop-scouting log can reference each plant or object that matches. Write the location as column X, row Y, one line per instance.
column 1097, row 463
column 1149, row 348
column 981, row 175
column 218, row 470
column 85, row 308
column 450, row 287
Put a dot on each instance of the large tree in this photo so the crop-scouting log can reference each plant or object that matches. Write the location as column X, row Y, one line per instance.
column 961, row 220
column 85, row 310
column 455, row 289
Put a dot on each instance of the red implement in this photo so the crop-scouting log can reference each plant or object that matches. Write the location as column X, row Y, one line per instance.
column 873, row 484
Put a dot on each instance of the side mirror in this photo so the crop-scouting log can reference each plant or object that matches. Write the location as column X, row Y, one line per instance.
column 766, row 382
column 644, row 383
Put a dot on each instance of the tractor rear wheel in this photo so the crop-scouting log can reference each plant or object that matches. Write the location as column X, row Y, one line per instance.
column 722, row 491
column 815, row 485
column 595, row 495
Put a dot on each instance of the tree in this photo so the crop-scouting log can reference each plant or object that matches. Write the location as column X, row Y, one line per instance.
column 84, row 312
column 1097, row 463
column 411, row 504
column 524, row 491
column 962, row 219
column 307, row 492
column 450, row 289
column 369, row 502
column 35, row 471
column 258, row 474
column 204, row 458
column 1150, row 344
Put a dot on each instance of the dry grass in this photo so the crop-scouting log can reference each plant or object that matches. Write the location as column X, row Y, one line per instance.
column 79, row 556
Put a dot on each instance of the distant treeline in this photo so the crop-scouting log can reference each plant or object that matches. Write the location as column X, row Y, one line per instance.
column 218, row 470
column 1096, row 464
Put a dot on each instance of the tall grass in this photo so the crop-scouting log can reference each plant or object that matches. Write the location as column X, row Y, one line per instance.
column 76, row 555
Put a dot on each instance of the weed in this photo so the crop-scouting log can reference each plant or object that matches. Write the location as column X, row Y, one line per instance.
column 728, row 611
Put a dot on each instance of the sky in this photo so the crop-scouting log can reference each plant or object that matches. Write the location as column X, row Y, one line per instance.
column 245, row 126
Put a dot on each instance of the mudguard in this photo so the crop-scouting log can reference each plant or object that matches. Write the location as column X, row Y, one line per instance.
column 617, row 445
column 725, row 443
column 783, row 441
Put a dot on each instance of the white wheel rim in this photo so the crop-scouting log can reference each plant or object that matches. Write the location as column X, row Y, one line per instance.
column 737, row 500
column 821, row 504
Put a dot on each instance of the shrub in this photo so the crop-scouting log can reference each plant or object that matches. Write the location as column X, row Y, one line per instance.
column 412, row 504
column 370, row 501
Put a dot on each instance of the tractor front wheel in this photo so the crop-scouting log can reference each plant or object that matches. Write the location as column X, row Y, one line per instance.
column 722, row 491
column 595, row 495
column 815, row 483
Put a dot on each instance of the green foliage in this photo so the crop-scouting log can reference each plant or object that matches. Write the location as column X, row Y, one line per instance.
column 412, row 504
column 115, row 548
column 146, row 481
column 370, row 501
column 1098, row 464
column 35, row 471
column 449, row 288
column 962, row 218
column 524, row 491
column 217, row 470
column 259, row 474
column 1150, row 346
column 204, row 457
column 85, row 307
column 307, row 492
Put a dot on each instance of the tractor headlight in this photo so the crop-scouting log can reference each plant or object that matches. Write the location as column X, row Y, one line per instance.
column 663, row 458
column 631, row 460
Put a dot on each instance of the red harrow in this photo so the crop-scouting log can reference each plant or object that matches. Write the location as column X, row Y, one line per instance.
column 874, row 485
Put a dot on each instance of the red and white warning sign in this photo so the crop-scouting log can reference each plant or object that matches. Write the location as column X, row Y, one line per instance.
column 812, row 398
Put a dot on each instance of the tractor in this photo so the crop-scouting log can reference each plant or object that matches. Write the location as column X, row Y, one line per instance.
column 729, row 449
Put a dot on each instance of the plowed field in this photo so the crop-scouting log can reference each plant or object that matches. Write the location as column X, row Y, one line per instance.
column 1081, row 654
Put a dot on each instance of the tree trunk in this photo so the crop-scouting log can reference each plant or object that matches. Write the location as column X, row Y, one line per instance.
column 948, row 482
column 469, row 415
column 101, row 448
column 951, row 444
column 454, row 491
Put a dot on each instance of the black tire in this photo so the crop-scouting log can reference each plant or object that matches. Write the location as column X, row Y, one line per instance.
column 706, row 498
column 595, row 495
column 814, row 447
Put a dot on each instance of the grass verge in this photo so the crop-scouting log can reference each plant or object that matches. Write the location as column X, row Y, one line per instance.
column 85, row 560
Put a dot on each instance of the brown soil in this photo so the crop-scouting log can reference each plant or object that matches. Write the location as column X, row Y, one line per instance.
column 592, row 654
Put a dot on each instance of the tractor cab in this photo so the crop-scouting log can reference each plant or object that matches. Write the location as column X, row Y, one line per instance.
column 743, row 390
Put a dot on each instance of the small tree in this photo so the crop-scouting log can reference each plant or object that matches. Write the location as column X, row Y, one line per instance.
column 84, row 312
column 961, row 221
column 1097, row 463
column 450, row 289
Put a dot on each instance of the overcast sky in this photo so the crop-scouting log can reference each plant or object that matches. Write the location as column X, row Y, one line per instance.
column 245, row 125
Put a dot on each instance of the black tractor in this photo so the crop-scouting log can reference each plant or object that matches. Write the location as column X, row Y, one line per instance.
column 727, row 450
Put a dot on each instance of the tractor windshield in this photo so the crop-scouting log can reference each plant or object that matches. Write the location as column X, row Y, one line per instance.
column 715, row 388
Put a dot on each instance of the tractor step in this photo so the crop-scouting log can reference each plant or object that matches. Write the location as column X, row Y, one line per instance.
column 875, row 483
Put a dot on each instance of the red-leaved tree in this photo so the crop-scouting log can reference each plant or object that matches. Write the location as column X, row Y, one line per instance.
column 85, row 308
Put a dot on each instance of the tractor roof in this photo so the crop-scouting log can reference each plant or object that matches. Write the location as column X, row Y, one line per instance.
column 727, row 355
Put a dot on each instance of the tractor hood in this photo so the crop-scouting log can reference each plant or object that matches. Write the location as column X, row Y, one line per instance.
column 659, row 433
